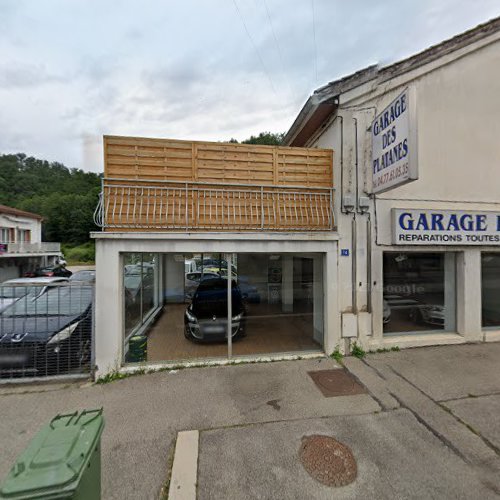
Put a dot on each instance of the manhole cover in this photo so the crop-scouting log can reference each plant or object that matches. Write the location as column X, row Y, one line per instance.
column 337, row 382
column 329, row 462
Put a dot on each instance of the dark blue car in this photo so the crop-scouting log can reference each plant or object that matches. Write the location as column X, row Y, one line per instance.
column 48, row 335
column 206, row 317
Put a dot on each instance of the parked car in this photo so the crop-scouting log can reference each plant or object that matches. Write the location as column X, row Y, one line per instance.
column 192, row 280
column 48, row 335
column 57, row 270
column 136, row 280
column 87, row 275
column 249, row 292
column 205, row 318
column 15, row 289
column 431, row 314
column 386, row 312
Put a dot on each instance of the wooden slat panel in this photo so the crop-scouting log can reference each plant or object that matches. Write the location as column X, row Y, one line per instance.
column 216, row 162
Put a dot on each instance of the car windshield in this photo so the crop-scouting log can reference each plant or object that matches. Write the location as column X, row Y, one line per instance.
column 57, row 301
column 83, row 276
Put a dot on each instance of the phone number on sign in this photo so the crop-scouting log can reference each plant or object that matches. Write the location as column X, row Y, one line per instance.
column 395, row 173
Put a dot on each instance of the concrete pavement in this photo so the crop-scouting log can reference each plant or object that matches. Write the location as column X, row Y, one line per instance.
column 427, row 428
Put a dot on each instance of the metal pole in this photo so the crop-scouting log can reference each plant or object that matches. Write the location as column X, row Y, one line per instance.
column 229, row 307
column 262, row 207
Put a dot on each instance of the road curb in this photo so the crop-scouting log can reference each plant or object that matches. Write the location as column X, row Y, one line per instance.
column 185, row 467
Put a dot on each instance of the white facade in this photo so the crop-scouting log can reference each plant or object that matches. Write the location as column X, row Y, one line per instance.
column 21, row 244
column 110, row 248
column 456, row 89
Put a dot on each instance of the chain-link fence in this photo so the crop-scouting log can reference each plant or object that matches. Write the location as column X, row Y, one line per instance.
column 46, row 328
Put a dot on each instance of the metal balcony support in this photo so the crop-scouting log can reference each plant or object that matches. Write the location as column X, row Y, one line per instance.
column 197, row 206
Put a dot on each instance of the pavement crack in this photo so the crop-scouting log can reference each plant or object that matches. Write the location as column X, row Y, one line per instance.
column 376, row 370
column 469, row 396
column 431, row 429
column 443, row 407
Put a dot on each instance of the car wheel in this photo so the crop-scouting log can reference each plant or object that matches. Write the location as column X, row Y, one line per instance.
column 189, row 336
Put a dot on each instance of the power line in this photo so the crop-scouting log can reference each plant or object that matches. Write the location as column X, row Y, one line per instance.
column 314, row 41
column 254, row 46
column 279, row 50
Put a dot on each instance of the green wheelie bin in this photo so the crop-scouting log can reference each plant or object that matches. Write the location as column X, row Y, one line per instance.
column 63, row 461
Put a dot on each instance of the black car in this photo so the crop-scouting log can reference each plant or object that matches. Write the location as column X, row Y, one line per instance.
column 49, row 271
column 206, row 317
column 49, row 335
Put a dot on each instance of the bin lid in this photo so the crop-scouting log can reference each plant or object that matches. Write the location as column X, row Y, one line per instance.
column 55, row 459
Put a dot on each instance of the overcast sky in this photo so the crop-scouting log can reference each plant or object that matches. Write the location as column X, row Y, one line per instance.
column 73, row 70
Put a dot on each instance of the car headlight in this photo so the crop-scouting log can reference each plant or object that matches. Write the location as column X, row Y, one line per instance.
column 190, row 316
column 64, row 333
column 238, row 317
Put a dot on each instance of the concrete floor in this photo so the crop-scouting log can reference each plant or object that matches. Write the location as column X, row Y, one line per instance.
column 268, row 330
column 397, row 457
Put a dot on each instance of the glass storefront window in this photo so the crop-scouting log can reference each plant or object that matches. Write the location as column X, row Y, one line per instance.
column 141, row 299
column 419, row 292
column 490, row 289
column 277, row 305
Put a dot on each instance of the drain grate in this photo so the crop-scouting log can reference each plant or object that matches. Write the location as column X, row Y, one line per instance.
column 328, row 461
column 337, row 382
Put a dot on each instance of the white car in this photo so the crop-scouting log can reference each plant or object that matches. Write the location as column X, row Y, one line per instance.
column 13, row 290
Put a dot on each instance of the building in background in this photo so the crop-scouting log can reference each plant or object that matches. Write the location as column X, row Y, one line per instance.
column 21, row 246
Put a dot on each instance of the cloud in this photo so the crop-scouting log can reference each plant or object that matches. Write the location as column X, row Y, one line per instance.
column 24, row 75
column 70, row 72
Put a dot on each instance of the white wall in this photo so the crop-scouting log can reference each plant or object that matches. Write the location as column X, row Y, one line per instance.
column 458, row 160
column 17, row 222
column 109, row 275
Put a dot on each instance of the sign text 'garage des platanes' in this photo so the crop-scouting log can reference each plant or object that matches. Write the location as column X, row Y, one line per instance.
column 445, row 227
column 394, row 145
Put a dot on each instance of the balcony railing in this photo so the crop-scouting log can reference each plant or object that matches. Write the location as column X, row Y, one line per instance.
column 25, row 247
column 195, row 206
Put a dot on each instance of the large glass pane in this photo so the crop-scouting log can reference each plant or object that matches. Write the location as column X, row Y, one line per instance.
column 281, row 303
column 141, row 300
column 419, row 292
column 132, row 276
column 277, row 305
column 191, row 288
column 490, row 292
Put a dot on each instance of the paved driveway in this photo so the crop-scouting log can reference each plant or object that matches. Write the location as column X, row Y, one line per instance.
column 426, row 428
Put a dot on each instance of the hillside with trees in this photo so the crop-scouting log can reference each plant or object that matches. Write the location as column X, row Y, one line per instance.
column 64, row 197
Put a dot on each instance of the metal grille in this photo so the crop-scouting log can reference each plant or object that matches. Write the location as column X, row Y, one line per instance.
column 199, row 206
column 46, row 329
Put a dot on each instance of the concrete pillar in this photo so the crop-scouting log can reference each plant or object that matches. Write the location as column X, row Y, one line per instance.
column 174, row 278
column 108, row 308
column 330, row 290
column 318, row 300
column 450, row 287
column 287, row 283
column 469, row 295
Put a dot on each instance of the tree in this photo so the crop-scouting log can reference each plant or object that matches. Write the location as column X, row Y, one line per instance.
column 65, row 198
column 266, row 138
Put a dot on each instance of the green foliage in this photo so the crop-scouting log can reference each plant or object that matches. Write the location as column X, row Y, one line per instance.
column 80, row 254
column 337, row 355
column 65, row 198
column 265, row 138
column 358, row 351
column 386, row 349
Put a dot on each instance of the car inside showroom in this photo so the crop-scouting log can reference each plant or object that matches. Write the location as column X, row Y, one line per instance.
column 176, row 305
